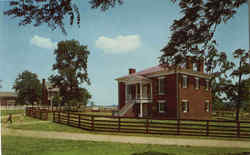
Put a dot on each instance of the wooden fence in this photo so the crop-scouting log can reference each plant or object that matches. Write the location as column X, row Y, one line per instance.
column 36, row 112
column 227, row 115
column 213, row 128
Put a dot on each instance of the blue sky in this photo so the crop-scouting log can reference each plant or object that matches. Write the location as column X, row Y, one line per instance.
column 130, row 35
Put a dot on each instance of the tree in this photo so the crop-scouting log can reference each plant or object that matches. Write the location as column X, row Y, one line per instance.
column 71, row 66
column 246, row 97
column 51, row 12
column 28, row 88
column 193, row 33
column 218, row 67
column 240, row 71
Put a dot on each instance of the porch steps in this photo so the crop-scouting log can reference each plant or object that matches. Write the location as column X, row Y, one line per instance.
column 126, row 107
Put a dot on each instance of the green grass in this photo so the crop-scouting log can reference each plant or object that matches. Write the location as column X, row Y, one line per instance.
column 13, row 112
column 19, row 119
column 12, row 145
column 47, row 126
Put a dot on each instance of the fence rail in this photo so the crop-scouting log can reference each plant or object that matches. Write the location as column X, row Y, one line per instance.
column 37, row 112
column 213, row 128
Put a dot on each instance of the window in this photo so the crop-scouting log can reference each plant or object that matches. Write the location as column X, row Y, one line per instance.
column 207, row 84
column 161, row 85
column 129, row 89
column 197, row 83
column 183, row 65
column 184, row 81
column 185, row 106
column 162, row 106
column 206, row 106
column 195, row 67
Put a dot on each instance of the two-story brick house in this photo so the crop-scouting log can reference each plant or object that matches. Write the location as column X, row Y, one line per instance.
column 165, row 92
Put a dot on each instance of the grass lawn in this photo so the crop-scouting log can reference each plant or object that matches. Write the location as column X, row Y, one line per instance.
column 13, row 112
column 12, row 145
column 47, row 126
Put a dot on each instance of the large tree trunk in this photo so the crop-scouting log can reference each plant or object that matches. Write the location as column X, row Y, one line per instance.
column 239, row 97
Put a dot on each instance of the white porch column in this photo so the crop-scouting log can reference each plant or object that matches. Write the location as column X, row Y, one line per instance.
column 141, row 110
column 140, row 90
column 151, row 90
column 126, row 92
column 136, row 91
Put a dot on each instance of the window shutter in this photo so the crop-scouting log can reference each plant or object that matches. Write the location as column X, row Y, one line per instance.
column 166, row 106
column 165, row 85
column 182, row 79
column 182, row 106
column 187, row 106
column 205, row 105
column 157, row 106
column 156, row 86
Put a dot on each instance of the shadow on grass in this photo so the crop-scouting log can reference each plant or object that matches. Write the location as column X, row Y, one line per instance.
column 160, row 153
column 242, row 153
column 152, row 153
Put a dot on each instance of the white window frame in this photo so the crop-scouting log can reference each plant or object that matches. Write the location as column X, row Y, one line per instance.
column 184, row 81
column 207, row 104
column 159, row 85
column 207, row 85
column 161, row 102
column 195, row 67
column 197, row 83
column 186, row 106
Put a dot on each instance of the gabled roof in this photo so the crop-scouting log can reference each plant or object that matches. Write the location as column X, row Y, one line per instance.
column 159, row 69
column 145, row 72
column 7, row 94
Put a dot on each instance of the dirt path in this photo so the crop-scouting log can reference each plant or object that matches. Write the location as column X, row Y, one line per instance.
column 128, row 139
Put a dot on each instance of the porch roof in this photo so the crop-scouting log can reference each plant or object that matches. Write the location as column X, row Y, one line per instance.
column 8, row 95
column 135, row 79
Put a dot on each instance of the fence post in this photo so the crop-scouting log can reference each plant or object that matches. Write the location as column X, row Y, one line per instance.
column 53, row 116
column 40, row 114
column 59, row 116
column 68, row 119
column 178, row 126
column 119, row 124
column 147, row 125
column 79, row 120
column 92, row 122
column 238, row 128
column 207, row 130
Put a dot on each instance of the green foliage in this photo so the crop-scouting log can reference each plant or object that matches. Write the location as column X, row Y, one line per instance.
column 193, row 33
column 56, row 100
column 51, row 12
column 38, row 12
column 71, row 66
column 28, row 88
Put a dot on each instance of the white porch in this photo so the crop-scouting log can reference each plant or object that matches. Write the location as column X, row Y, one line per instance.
column 138, row 90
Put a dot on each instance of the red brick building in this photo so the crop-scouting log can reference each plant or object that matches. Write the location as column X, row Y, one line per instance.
column 162, row 92
column 8, row 98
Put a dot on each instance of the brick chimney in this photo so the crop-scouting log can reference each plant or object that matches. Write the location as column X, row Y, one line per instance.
column 201, row 66
column 131, row 70
column 44, row 93
column 189, row 63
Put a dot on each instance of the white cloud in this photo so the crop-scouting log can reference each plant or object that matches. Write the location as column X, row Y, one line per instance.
column 119, row 44
column 43, row 42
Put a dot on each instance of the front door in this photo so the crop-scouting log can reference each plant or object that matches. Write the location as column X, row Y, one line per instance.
column 145, row 109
